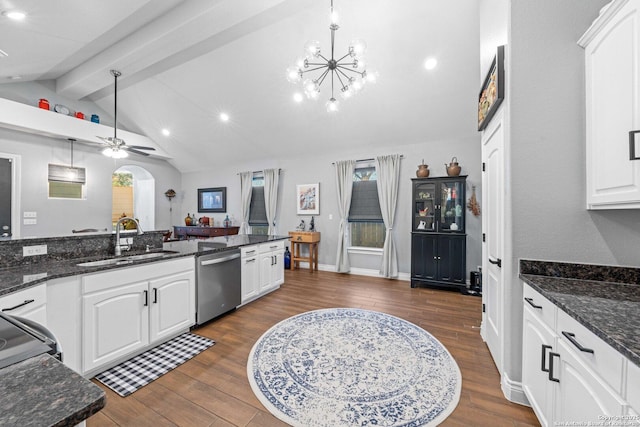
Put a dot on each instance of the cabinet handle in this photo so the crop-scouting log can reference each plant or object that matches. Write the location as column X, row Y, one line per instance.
column 532, row 304
column 544, row 357
column 146, row 298
column 572, row 337
column 250, row 260
column 632, row 145
column 551, row 355
column 249, row 252
column 497, row 262
column 22, row 304
column 155, row 295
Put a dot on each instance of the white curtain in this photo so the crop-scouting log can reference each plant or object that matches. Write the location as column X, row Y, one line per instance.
column 271, row 179
column 388, row 170
column 344, row 181
column 246, row 179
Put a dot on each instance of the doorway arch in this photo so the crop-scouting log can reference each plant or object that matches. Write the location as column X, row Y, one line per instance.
column 144, row 202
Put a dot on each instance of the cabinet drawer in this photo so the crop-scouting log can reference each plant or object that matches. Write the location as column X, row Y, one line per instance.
column 540, row 306
column 633, row 386
column 604, row 361
column 271, row 246
column 305, row 236
column 21, row 302
column 248, row 251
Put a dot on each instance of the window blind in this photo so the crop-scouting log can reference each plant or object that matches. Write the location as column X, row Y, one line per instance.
column 257, row 209
column 365, row 205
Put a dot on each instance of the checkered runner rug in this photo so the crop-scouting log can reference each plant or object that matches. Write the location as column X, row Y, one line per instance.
column 140, row 370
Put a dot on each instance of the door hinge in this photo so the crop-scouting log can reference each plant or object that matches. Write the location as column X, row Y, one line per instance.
column 483, row 308
column 484, row 237
column 484, row 166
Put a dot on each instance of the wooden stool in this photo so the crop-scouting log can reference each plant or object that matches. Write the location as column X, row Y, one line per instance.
column 311, row 238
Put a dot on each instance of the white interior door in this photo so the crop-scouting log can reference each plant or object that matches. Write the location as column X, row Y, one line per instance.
column 493, row 141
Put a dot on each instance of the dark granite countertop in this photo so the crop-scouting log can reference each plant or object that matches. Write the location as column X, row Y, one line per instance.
column 606, row 300
column 41, row 391
column 15, row 278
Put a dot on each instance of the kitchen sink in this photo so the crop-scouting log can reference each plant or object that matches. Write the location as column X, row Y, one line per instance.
column 125, row 260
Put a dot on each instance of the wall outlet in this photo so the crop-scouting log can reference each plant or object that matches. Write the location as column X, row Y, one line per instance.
column 29, row 221
column 30, row 214
column 34, row 250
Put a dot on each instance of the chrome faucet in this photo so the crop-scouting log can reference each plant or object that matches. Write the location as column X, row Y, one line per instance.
column 119, row 248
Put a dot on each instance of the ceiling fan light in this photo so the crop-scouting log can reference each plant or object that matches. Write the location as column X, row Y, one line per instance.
column 115, row 153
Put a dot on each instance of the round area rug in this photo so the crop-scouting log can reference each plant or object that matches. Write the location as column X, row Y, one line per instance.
column 352, row 367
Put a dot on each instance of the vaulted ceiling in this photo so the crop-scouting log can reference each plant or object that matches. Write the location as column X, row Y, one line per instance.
column 185, row 62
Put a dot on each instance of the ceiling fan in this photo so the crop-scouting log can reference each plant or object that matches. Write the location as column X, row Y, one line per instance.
column 116, row 147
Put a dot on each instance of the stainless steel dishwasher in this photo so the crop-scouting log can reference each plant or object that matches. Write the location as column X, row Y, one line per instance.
column 217, row 284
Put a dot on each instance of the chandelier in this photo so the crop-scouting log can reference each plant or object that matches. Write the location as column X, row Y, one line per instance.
column 347, row 73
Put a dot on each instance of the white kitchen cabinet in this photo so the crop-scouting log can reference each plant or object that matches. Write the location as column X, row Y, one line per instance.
column 271, row 266
column 172, row 305
column 116, row 323
column 582, row 395
column 126, row 310
column 30, row 303
column 568, row 373
column 64, row 318
column 538, row 341
column 633, row 389
column 250, row 273
column 612, row 60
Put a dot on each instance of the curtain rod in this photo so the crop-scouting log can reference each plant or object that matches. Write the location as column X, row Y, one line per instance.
column 262, row 171
column 367, row 160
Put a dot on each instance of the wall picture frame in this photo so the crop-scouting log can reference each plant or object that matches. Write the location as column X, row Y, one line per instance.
column 212, row 199
column 492, row 90
column 308, row 199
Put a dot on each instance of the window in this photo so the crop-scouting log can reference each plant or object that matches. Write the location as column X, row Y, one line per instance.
column 365, row 218
column 257, row 209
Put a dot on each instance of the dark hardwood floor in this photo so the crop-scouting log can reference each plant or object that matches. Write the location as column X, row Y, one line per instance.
column 212, row 389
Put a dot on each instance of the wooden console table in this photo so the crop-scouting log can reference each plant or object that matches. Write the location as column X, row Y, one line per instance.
column 186, row 232
column 311, row 238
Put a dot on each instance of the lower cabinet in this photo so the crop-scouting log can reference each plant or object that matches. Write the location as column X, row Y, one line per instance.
column 250, row 274
column 568, row 373
column 30, row 303
column 262, row 269
column 438, row 259
column 126, row 310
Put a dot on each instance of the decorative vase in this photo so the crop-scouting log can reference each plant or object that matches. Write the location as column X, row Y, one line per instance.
column 453, row 169
column 187, row 220
column 423, row 170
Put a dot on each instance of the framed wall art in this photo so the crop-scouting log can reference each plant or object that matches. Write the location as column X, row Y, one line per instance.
column 212, row 199
column 308, row 199
column 492, row 91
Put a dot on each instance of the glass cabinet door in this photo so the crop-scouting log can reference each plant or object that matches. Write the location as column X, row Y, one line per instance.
column 424, row 206
column 452, row 206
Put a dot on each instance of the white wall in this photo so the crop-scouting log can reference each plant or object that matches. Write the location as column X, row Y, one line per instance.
column 57, row 216
column 318, row 168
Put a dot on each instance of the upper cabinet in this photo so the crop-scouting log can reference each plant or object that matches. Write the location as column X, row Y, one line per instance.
column 612, row 76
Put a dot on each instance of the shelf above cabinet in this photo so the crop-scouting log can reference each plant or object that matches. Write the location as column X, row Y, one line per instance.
column 38, row 121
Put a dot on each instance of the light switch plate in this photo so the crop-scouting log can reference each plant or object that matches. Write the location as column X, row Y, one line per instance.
column 30, row 214
column 29, row 221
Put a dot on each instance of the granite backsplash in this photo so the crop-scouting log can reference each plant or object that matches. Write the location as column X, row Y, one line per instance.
column 601, row 273
column 70, row 247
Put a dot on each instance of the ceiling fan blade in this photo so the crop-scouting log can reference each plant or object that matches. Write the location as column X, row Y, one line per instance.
column 133, row 150
column 140, row 147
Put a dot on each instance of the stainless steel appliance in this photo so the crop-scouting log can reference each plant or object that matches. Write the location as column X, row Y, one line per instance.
column 217, row 284
column 21, row 339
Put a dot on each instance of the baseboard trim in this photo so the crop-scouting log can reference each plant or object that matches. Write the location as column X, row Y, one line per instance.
column 513, row 390
column 405, row 277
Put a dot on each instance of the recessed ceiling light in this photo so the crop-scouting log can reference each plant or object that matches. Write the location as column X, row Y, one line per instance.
column 297, row 97
column 166, row 132
column 3, row 54
column 430, row 63
column 224, row 117
column 14, row 77
column 16, row 15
